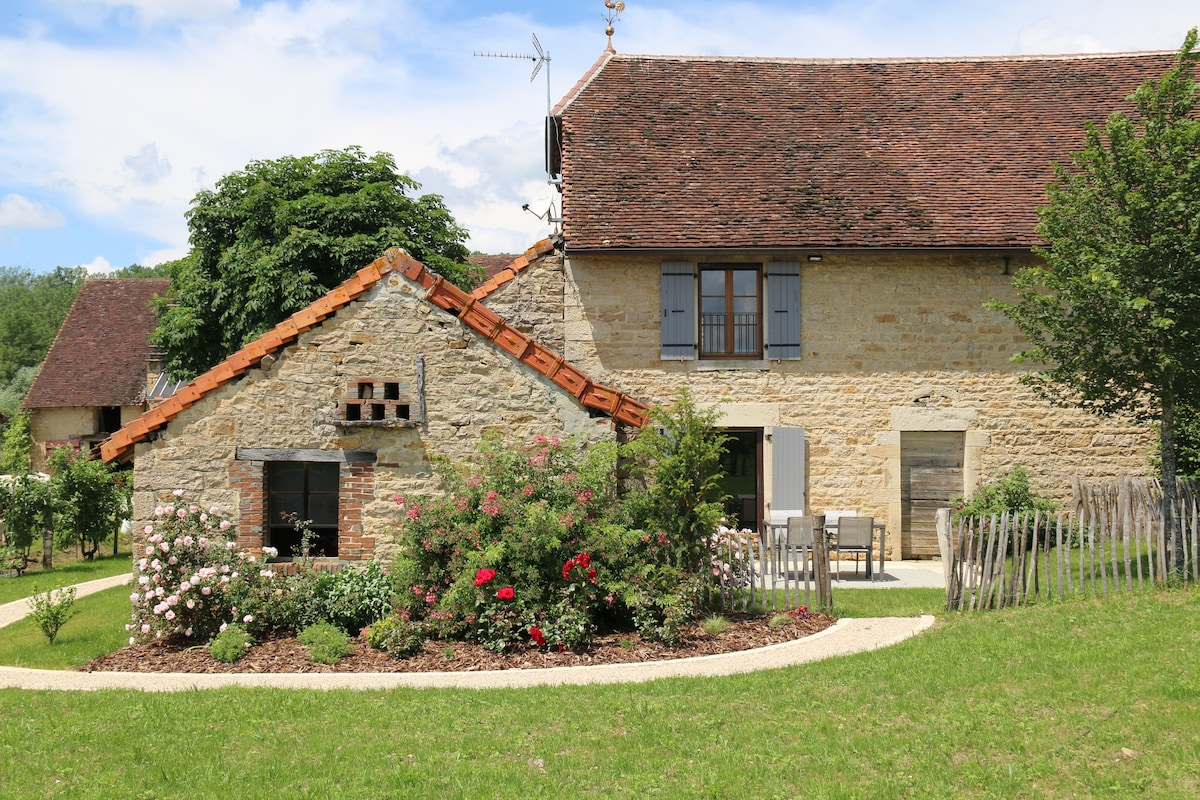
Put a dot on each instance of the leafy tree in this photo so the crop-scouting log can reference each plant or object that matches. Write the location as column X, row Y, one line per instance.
column 277, row 235
column 27, row 507
column 677, row 455
column 32, row 307
column 89, row 500
column 1113, row 312
column 17, row 442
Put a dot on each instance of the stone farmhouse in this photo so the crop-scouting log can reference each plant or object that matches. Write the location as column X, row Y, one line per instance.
column 806, row 244
column 809, row 243
column 99, row 373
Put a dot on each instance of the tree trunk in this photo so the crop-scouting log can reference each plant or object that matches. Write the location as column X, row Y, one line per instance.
column 1172, row 530
column 48, row 540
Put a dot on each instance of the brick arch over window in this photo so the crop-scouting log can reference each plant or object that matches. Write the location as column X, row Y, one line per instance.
column 356, row 486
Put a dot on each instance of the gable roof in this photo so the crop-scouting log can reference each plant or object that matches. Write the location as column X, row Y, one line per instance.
column 438, row 292
column 99, row 356
column 671, row 152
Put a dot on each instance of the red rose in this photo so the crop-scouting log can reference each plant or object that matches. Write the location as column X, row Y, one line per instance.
column 506, row 593
column 567, row 569
column 592, row 574
column 583, row 560
column 536, row 634
column 484, row 576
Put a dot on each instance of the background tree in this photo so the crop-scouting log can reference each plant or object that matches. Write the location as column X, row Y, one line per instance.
column 271, row 238
column 32, row 308
column 89, row 500
column 1114, row 311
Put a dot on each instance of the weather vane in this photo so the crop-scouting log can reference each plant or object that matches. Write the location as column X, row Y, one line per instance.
column 615, row 7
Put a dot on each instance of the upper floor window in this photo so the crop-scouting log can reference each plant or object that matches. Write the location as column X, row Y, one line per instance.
column 730, row 313
column 727, row 311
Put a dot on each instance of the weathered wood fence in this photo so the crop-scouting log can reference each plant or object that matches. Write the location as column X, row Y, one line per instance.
column 751, row 569
column 1112, row 539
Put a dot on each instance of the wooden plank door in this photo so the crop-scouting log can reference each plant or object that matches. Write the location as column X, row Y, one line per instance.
column 931, row 472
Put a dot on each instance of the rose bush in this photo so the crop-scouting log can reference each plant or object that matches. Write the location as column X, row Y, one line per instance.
column 190, row 578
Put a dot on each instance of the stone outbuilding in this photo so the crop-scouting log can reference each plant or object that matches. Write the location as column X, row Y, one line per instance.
column 337, row 409
column 99, row 372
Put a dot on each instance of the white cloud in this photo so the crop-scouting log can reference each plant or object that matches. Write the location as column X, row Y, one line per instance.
column 97, row 266
column 21, row 212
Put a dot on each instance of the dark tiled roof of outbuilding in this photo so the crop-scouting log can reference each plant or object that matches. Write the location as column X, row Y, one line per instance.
column 99, row 355
column 438, row 292
column 672, row 152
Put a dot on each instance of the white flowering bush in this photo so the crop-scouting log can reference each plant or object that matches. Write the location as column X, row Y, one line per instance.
column 730, row 559
column 191, row 578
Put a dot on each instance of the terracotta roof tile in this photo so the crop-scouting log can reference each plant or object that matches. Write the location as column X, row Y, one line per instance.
column 440, row 293
column 99, row 356
column 668, row 152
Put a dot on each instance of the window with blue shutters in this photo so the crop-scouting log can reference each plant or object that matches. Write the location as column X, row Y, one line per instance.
column 719, row 311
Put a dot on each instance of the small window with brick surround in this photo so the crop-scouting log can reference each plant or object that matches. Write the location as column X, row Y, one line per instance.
column 302, row 491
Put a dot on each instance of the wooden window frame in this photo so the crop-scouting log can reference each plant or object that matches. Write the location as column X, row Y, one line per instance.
column 730, row 332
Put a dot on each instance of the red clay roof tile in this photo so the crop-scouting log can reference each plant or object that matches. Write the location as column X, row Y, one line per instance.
column 669, row 152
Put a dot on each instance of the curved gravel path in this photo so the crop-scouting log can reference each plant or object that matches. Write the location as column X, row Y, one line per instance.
column 845, row 637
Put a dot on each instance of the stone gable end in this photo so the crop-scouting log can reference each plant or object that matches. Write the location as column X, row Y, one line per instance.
column 422, row 384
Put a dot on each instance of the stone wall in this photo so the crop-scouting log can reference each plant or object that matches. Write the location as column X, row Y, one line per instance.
column 291, row 404
column 48, row 426
column 890, row 343
column 533, row 301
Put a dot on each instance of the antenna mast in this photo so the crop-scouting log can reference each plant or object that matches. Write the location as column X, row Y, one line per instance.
column 542, row 59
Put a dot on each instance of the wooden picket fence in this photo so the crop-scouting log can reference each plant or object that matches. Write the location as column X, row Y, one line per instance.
column 753, row 569
column 1111, row 540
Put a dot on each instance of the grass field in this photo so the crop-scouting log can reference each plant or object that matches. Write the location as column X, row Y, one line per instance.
column 1084, row 698
column 68, row 572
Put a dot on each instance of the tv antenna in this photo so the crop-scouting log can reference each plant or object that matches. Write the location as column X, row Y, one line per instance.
column 542, row 59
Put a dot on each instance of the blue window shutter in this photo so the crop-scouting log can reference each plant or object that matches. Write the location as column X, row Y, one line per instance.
column 678, row 310
column 787, row 474
column 783, row 310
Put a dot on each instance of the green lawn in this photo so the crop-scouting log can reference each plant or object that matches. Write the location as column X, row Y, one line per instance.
column 97, row 628
column 1087, row 698
column 66, row 574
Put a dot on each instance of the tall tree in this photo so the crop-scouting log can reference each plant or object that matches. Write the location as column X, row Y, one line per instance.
column 1113, row 312
column 271, row 238
column 32, row 307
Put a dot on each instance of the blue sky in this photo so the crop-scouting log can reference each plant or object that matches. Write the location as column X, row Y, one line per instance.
column 114, row 113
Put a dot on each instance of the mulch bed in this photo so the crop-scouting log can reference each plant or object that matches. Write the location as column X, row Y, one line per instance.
column 286, row 654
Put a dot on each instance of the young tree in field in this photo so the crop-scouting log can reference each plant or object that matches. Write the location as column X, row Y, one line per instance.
column 271, row 238
column 89, row 500
column 1113, row 313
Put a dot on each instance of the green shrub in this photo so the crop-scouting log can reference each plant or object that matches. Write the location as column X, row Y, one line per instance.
column 781, row 620
column 230, row 644
column 1009, row 491
column 355, row 597
column 715, row 625
column 51, row 610
column 397, row 636
column 326, row 643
